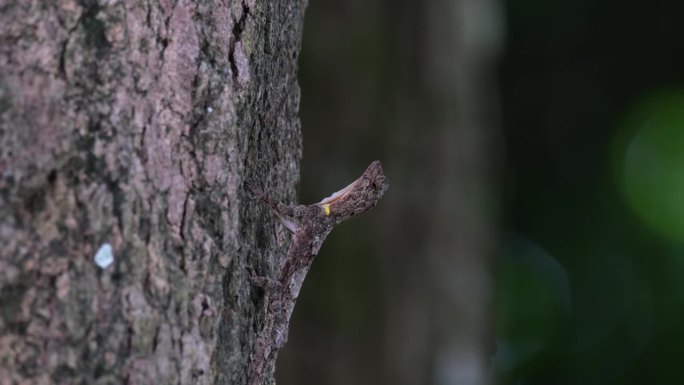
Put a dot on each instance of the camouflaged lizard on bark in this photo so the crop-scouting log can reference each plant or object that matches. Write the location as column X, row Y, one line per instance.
column 310, row 225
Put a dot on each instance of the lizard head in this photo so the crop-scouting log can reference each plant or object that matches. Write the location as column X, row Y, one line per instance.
column 359, row 196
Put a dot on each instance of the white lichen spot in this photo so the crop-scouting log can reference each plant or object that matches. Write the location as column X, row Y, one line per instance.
column 210, row 110
column 104, row 256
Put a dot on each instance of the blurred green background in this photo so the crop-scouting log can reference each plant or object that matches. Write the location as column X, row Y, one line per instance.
column 535, row 216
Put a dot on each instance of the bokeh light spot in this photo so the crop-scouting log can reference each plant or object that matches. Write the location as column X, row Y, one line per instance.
column 653, row 163
column 533, row 302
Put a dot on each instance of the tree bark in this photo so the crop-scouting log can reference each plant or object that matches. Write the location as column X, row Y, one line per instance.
column 136, row 125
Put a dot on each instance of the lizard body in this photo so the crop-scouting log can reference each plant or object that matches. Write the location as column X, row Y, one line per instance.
column 310, row 224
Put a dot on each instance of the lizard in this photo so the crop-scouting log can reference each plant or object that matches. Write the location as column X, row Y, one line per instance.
column 310, row 225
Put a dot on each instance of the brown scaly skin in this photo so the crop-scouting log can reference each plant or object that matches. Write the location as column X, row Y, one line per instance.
column 311, row 225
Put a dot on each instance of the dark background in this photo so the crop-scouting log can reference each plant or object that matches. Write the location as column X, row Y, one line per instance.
column 584, row 164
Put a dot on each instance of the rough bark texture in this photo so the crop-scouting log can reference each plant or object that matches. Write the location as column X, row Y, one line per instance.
column 136, row 124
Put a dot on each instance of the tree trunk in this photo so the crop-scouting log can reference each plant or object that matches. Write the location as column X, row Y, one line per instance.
column 128, row 131
column 440, row 285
